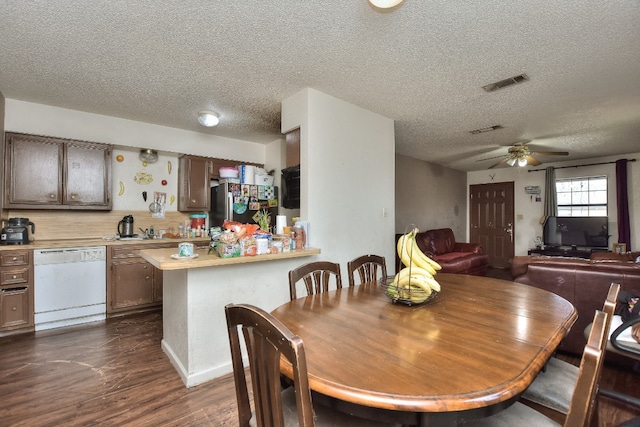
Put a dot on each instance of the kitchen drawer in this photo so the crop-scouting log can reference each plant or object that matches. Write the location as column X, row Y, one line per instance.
column 11, row 258
column 15, row 308
column 13, row 276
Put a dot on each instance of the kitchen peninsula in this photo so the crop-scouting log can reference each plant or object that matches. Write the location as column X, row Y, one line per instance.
column 195, row 292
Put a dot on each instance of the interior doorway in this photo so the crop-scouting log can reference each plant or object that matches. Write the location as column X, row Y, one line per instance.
column 491, row 221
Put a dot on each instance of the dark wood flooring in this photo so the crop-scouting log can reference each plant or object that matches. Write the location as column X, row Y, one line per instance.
column 114, row 373
column 111, row 373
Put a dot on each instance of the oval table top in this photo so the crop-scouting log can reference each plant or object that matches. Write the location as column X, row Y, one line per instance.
column 479, row 342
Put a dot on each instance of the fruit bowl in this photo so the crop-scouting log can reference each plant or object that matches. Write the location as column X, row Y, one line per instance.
column 409, row 296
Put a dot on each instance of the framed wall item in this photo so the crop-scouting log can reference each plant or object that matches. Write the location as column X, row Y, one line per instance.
column 619, row 248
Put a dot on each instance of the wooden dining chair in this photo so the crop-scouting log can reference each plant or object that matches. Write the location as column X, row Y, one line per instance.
column 584, row 393
column 627, row 347
column 552, row 390
column 368, row 267
column 266, row 339
column 316, row 276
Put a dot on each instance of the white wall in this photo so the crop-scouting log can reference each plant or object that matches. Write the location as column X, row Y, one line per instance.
column 528, row 212
column 430, row 196
column 347, row 175
column 46, row 120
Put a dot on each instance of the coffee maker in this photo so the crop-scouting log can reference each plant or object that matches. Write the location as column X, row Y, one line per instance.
column 16, row 231
column 125, row 226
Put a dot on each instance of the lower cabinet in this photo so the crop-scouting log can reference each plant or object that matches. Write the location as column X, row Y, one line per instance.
column 16, row 290
column 132, row 283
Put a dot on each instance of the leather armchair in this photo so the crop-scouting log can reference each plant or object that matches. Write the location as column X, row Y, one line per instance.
column 454, row 257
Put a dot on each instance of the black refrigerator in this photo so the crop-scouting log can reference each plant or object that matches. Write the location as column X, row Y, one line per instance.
column 242, row 203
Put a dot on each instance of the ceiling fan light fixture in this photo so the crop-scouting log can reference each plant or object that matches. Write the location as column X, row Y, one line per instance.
column 511, row 161
column 385, row 4
column 522, row 162
column 208, row 118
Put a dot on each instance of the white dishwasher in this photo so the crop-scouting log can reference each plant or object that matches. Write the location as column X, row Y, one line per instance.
column 70, row 286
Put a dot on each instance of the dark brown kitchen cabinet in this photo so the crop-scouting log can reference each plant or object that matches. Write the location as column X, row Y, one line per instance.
column 133, row 283
column 194, row 180
column 194, row 183
column 220, row 163
column 54, row 173
column 16, row 290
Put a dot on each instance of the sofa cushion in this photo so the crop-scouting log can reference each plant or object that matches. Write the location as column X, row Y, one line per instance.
column 613, row 257
column 460, row 261
column 436, row 242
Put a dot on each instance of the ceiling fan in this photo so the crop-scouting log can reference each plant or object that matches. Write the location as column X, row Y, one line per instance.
column 519, row 154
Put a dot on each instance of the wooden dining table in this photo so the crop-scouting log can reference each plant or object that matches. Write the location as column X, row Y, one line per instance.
column 467, row 353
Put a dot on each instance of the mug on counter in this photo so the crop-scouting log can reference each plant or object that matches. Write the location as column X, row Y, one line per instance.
column 185, row 249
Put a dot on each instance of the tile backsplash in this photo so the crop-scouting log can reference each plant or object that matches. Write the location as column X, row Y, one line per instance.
column 58, row 224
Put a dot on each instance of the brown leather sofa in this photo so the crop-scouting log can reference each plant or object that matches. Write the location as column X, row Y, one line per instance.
column 583, row 282
column 454, row 257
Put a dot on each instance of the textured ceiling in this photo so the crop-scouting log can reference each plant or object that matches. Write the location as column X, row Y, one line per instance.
column 421, row 64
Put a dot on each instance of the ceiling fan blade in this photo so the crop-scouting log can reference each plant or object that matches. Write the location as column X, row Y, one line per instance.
column 491, row 158
column 550, row 153
column 501, row 162
column 532, row 161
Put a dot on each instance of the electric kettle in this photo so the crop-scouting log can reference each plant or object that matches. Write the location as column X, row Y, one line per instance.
column 125, row 226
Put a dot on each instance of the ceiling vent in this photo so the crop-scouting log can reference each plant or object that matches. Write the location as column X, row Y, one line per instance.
column 487, row 129
column 506, row 82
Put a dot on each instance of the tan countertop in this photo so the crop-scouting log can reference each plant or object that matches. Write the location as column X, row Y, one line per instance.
column 161, row 258
column 75, row 243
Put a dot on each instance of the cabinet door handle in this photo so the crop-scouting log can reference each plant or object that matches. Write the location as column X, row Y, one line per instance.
column 73, row 197
column 14, row 276
column 14, row 308
column 22, row 288
column 52, row 196
column 147, row 278
column 15, row 258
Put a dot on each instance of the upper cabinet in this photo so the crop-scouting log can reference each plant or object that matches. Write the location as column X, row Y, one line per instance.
column 194, row 183
column 54, row 173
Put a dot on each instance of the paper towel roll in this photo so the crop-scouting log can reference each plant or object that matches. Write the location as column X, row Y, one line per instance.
column 281, row 222
column 248, row 174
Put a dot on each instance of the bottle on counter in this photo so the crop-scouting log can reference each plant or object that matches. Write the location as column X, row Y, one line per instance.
column 298, row 236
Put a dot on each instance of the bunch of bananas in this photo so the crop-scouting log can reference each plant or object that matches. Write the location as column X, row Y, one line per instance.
column 415, row 282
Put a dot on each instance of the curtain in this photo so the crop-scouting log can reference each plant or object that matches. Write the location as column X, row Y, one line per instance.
column 550, row 198
column 622, row 197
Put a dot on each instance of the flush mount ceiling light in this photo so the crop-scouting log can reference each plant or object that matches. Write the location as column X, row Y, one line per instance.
column 149, row 156
column 208, row 118
column 385, row 4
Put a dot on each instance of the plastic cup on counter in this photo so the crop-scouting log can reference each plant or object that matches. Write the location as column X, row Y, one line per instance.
column 185, row 249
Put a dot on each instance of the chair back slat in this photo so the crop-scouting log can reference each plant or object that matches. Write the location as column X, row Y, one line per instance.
column 316, row 277
column 369, row 268
column 266, row 339
column 612, row 298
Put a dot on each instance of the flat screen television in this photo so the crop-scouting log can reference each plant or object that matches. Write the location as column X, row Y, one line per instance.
column 582, row 231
